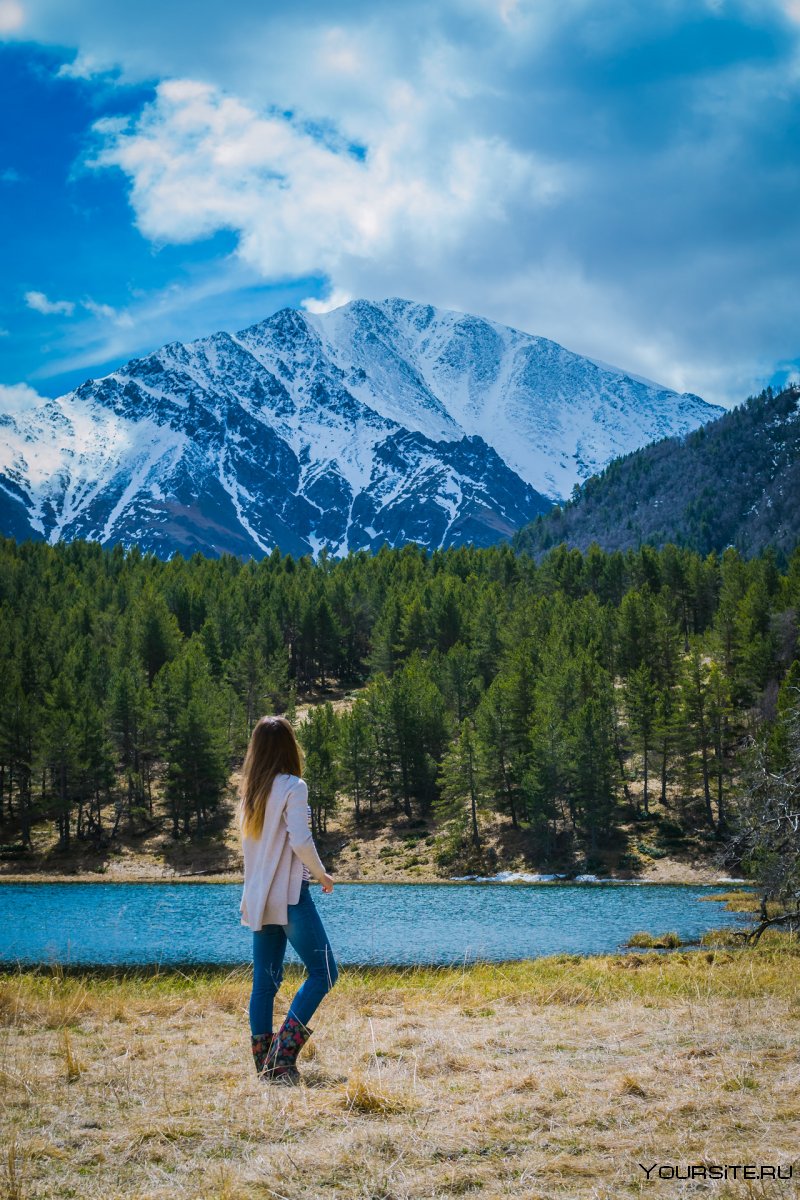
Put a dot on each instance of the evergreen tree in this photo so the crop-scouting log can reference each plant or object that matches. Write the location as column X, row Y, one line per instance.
column 417, row 732
column 545, row 759
column 634, row 630
column 195, row 748
column 665, row 735
column 318, row 736
column 157, row 632
column 755, row 639
column 460, row 681
column 387, row 636
column 414, row 628
column 719, row 712
column 498, row 743
column 328, row 636
column 590, row 738
column 641, row 701
column 358, row 757
column 130, row 685
column 460, row 793
column 20, row 729
column 128, row 703
column 696, row 714
column 59, row 756
column 97, row 771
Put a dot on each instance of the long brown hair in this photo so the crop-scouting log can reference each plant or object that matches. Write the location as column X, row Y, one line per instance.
column 273, row 750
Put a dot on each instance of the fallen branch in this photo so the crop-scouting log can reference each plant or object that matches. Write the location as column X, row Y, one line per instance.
column 789, row 919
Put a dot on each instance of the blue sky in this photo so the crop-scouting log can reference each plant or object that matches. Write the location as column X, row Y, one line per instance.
column 623, row 178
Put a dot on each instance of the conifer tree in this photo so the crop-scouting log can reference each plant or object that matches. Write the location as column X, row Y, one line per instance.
column 157, row 632
column 590, row 738
column 96, row 769
column 387, row 636
column 719, row 712
column 318, row 736
column 417, row 729
column 414, row 628
column 127, row 703
column 665, row 736
column 641, row 700
column 695, row 709
column 498, row 743
column 755, row 639
column 357, row 754
column 460, row 791
column 328, row 636
column 98, row 721
column 59, row 756
column 195, row 748
column 545, row 762
column 21, row 727
column 460, row 681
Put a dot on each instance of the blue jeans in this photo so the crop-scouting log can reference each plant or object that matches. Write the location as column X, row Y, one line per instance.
column 306, row 933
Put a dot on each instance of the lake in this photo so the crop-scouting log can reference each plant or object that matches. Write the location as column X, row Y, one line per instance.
column 126, row 924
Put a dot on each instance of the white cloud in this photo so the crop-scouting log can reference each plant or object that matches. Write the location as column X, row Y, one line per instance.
column 99, row 310
column 18, row 399
column 304, row 202
column 334, row 299
column 12, row 16
column 106, row 312
column 83, row 66
column 40, row 303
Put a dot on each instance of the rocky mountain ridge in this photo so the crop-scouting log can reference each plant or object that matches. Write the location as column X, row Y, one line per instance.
column 376, row 422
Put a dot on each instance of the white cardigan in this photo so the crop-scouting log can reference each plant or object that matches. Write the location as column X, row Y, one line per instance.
column 273, row 862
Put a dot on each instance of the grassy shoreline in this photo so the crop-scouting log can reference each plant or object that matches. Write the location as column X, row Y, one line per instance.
column 544, row 1078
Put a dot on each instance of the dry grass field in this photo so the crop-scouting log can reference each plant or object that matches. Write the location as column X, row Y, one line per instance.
column 551, row 1078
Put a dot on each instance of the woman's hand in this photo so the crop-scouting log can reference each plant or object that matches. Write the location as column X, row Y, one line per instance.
column 327, row 883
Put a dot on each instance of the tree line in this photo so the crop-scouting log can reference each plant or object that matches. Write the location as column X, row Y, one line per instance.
column 561, row 697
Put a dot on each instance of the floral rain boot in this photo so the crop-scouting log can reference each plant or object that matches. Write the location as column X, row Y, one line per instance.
column 289, row 1041
column 262, row 1044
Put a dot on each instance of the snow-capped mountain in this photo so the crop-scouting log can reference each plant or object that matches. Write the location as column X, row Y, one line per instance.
column 376, row 422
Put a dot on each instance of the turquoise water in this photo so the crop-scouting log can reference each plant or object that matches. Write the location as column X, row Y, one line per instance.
column 133, row 924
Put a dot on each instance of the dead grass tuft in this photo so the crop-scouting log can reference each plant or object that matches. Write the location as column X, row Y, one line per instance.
column 363, row 1095
column 14, row 1164
column 735, row 900
column 73, row 1067
column 628, row 1086
column 649, row 941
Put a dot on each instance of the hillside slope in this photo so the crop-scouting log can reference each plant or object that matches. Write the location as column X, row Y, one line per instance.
column 733, row 482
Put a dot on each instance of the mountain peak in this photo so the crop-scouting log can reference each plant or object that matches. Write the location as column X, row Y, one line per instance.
column 377, row 421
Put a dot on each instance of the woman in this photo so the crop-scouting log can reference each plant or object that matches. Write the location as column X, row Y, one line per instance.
column 280, row 859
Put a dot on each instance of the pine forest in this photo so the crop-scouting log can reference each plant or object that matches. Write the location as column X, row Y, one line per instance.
column 565, row 700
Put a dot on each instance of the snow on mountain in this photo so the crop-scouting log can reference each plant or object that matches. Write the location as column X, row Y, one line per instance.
column 374, row 422
column 554, row 417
